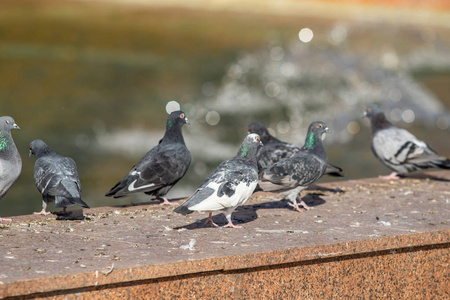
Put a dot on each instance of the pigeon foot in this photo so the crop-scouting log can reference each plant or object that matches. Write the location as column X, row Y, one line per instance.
column 392, row 176
column 165, row 201
column 43, row 212
column 210, row 221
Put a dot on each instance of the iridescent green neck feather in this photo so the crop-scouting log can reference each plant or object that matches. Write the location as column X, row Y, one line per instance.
column 310, row 141
column 244, row 151
column 4, row 143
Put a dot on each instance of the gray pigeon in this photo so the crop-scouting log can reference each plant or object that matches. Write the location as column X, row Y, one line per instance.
column 56, row 178
column 275, row 150
column 295, row 173
column 229, row 186
column 162, row 167
column 398, row 149
column 10, row 161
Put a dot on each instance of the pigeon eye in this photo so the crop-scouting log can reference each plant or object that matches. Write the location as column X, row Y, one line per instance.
column 368, row 110
column 7, row 122
column 320, row 126
column 257, row 139
column 250, row 129
column 182, row 116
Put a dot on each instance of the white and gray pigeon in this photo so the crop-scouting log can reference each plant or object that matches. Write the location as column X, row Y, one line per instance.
column 295, row 173
column 161, row 167
column 398, row 149
column 56, row 178
column 10, row 161
column 275, row 150
column 229, row 186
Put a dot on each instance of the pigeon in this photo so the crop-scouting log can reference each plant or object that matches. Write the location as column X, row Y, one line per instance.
column 230, row 185
column 56, row 178
column 295, row 173
column 10, row 161
column 398, row 149
column 275, row 150
column 161, row 167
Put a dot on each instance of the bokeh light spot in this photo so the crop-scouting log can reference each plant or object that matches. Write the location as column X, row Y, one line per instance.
column 172, row 106
column 408, row 116
column 305, row 35
column 212, row 118
column 353, row 127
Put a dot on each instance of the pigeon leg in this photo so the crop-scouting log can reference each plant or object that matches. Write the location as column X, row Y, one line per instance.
column 43, row 212
column 392, row 176
column 5, row 219
column 165, row 201
column 210, row 221
column 306, row 207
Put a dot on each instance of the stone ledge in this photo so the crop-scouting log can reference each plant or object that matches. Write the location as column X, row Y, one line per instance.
column 371, row 239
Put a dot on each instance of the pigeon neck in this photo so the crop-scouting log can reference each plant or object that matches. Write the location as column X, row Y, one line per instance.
column 269, row 139
column 43, row 151
column 379, row 122
column 173, row 133
column 5, row 142
column 7, row 146
column 313, row 143
column 247, row 151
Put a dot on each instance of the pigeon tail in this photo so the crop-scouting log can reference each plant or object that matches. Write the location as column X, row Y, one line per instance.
column 114, row 192
column 61, row 201
column 333, row 170
column 183, row 209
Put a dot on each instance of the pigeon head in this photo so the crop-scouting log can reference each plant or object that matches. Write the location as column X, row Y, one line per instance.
column 177, row 118
column 7, row 124
column 250, row 145
column 38, row 148
column 372, row 111
column 316, row 132
column 260, row 129
column 377, row 117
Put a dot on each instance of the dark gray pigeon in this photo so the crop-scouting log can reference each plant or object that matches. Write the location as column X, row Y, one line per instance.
column 56, row 178
column 398, row 149
column 295, row 173
column 10, row 161
column 229, row 186
column 275, row 150
column 162, row 167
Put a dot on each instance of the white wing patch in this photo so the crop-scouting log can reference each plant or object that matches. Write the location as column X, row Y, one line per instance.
column 131, row 187
column 214, row 202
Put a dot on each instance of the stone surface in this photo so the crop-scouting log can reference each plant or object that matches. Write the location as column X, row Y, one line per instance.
column 363, row 237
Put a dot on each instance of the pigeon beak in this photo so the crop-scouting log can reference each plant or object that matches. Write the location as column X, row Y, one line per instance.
column 327, row 130
column 187, row 121
column 29, row 154
column 15, row 126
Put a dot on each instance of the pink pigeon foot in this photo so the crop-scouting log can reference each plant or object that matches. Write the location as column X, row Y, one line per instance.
column 165, row 201
column 392, row 176
column 231, row 225
column 302, row 203
column 43, row 212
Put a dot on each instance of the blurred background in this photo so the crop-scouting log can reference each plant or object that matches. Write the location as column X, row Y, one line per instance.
column 93, row 79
